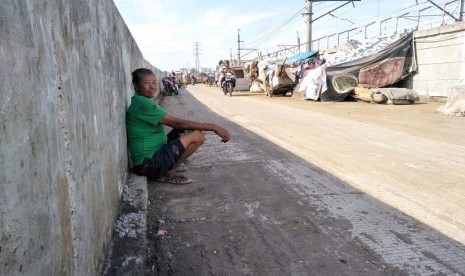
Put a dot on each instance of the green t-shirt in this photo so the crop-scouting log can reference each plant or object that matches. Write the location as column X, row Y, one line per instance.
column 143, row 128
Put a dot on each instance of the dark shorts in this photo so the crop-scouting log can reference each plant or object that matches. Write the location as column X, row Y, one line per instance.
column 162, row 160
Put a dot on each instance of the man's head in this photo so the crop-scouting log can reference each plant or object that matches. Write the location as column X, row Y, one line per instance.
column 145, row 82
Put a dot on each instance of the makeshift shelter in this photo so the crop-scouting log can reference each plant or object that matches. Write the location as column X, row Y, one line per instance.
column 281, row 77
column 300, row 57
column 371, row 63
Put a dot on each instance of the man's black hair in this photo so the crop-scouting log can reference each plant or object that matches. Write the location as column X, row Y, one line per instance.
column 139, row 73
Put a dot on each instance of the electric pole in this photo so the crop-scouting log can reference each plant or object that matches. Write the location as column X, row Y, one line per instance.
column 308, row 15
column 309, row 19
column 461, row 10
column 238, row 47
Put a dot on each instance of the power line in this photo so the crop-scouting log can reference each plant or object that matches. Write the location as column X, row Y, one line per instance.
column 404, row 18
column 415, row 16
column 275, row 31
column 341, row 18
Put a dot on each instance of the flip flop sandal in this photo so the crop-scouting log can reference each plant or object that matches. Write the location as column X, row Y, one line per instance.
column 176, row 179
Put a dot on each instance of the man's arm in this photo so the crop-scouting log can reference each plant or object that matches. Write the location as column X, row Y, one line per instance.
column 178, row 123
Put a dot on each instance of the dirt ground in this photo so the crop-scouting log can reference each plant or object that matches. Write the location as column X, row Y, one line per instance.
column 312, row 188
column 420, row 119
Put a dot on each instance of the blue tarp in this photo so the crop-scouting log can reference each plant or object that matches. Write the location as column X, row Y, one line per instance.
column 290, row 60
column 300, row 56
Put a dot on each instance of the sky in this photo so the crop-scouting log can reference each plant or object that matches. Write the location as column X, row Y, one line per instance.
column 167, row 32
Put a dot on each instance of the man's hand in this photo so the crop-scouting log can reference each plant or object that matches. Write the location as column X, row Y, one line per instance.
column 178, row 123
column 223, row 133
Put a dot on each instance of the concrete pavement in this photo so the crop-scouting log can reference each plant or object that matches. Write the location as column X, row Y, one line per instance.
column 256, row 209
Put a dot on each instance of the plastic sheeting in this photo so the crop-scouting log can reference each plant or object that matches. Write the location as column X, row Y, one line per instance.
column 300, row 57
column 455, row 105
column 313, row 83
column 374, row 63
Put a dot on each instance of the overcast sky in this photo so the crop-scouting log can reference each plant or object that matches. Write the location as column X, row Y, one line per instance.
column 166, row 31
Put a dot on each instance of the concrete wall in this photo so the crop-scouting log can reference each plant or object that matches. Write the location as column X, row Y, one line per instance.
column 65, row 85
column 441, row 59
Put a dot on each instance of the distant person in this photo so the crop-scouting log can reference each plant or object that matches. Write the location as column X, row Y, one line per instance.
column 154, row 153
column 192, row 79
column 184, row 80
column 224, row 69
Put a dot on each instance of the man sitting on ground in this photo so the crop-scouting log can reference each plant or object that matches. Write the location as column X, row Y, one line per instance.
column 153, row 153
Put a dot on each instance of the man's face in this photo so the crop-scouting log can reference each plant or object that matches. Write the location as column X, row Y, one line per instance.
column 148, row 86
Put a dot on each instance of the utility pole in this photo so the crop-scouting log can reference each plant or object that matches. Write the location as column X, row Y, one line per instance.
column 298, row 41
column 309, row 20
column 461, row 10
column 238, row 47
column 308, row 14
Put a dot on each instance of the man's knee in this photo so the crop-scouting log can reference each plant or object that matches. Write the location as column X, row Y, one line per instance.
column 193, row 137
column 199, row 136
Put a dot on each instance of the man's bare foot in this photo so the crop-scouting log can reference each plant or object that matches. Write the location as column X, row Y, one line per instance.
column 181, row 168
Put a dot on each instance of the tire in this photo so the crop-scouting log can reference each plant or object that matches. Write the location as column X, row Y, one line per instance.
column 168, row 91
column 230, row 89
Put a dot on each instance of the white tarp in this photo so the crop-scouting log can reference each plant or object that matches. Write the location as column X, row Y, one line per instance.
column 455, row 105
column 313, row 83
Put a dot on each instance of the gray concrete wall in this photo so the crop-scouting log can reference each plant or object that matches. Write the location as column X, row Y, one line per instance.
column 441, row 59
column 65, row 85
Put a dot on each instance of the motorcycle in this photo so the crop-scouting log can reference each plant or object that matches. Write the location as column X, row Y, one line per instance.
column 175, row 85
column 169, row 86
column 211, row 80
column 228, row 84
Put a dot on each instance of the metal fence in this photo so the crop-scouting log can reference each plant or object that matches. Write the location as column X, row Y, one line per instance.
column 422, row 15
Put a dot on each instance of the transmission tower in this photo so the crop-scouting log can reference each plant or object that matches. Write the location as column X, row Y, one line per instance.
column 197, row 55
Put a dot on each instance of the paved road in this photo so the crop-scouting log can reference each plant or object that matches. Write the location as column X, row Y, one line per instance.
column 308, row 188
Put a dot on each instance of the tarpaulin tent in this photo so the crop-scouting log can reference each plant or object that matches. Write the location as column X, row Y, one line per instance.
column 281, row 76
column 299, row 57
column 289, row 60
column 376, row 62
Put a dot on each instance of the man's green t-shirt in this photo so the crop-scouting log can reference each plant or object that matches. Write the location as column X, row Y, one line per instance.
column 143, row 128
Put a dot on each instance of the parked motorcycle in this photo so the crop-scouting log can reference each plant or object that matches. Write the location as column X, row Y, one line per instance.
column 228, row 84
column 175, row 85
column 169, row 86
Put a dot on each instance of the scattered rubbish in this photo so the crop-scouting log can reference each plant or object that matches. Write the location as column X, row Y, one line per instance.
column 191, row 220
column 161, row 232
column 398, row 96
